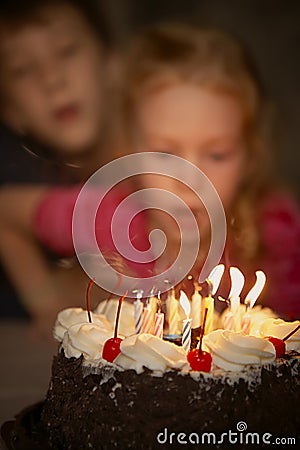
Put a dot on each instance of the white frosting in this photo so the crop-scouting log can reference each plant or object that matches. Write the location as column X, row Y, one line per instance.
column 70, row 316
column 151, row 352
column 85, row 339
column 233, row 351
column 279, row 328
column 258, row 315
column 126, row 322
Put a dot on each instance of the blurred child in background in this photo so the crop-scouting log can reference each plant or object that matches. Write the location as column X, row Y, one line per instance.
column 54, row 72
column 194, row 93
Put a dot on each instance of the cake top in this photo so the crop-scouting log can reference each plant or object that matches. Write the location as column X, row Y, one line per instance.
column 230, row 351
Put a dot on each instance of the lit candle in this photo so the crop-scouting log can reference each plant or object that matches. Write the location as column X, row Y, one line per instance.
column 186, row 329
column 196, row 308
column 148, row 319
column 233, row 320
column 138, row 311
column 159, row 321
column 251, row 298
column 172, row 313
column 213, row 280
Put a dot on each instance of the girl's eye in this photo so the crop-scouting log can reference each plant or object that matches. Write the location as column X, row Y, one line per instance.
column 219, row 156
column 22, row 71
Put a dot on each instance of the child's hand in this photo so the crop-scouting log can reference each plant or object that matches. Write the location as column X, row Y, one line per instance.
column 43, row 317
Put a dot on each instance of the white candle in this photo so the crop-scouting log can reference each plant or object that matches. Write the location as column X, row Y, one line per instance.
column 246, row 323
column 159, row 324
column 251, row 298
column 228, row 321
column 213, row 280
column 159, row 319
column 148, row 320
column 138, row 311
column 237, row 283
column 208, row 302
column 186, row 329
column 172, row 313
column 196, row 308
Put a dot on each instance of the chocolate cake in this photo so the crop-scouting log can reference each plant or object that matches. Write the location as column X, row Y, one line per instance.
column 104, row 407
column 150, row 397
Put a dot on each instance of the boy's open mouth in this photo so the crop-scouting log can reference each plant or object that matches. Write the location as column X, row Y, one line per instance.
column 67, row 113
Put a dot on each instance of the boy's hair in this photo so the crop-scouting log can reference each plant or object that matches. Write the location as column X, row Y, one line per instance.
column 170, row 53
column 16, row 13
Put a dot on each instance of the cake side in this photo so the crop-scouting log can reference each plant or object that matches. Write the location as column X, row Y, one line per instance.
column 113, row 407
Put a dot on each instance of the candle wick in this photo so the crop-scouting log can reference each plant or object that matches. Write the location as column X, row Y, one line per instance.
column 210, row 286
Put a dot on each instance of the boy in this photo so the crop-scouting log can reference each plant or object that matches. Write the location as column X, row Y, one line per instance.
column 53, row 83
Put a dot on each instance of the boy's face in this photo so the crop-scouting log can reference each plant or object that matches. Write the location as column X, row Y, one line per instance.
column 201, row 126
column 52, row 80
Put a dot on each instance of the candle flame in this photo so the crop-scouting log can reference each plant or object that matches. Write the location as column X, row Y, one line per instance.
column 184, row 301
column 237, row 283
column 215, row 277
column 254, row 293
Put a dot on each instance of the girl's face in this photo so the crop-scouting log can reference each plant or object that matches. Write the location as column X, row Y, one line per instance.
column 52, row 78
column 204, row 127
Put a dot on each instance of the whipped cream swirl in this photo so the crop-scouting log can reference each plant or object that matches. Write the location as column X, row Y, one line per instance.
column 279, row 328
column 145, row 350
column 70, row 316
column 85, row 339
column 233, row 351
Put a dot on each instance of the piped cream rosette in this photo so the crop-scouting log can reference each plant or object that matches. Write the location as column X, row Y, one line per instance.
column 145, row 350
column 109, row 309
column 234, row 351
column 279, row 328
column 70, row 316
column 85, row 339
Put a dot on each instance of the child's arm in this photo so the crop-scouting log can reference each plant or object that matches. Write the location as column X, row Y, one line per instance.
column 43, row 289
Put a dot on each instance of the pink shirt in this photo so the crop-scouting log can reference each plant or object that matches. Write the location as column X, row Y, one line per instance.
column 53, row 224
column 279, row 220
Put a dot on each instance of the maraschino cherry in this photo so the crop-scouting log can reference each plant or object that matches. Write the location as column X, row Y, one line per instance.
column 279, row 344
column 199, row 359
column 111, row 348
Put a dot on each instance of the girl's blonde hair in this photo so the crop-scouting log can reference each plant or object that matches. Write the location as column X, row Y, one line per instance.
column 211, row 58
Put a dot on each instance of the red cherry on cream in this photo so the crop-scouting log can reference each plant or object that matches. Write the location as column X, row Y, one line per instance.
column 279, row 345
column 111, row 348
column 199, row 360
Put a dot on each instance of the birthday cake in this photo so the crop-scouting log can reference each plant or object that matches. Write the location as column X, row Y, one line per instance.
column 150, row 396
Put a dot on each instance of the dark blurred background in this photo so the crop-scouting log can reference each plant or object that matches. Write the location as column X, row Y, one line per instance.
column 271, row 28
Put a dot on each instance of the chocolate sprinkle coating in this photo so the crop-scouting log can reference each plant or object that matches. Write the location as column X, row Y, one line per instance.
column 113, row 408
